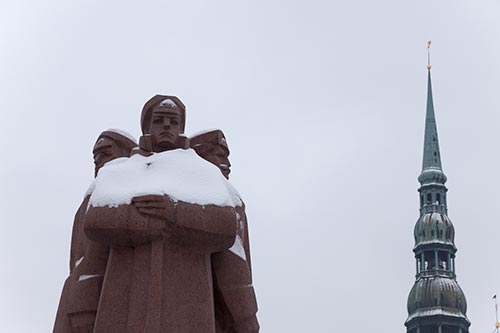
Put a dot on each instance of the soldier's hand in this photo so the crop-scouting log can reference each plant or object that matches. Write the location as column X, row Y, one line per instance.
column 157, row 206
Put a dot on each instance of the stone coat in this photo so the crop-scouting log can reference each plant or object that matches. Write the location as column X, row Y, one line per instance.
column 80, row 296
column 235, row 301
column 158, row 277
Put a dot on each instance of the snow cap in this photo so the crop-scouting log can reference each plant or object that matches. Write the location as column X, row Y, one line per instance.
column 167, row 102
column 122, row 139
column 215, row 137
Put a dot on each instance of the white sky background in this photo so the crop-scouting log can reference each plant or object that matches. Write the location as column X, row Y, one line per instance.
column 323, row 106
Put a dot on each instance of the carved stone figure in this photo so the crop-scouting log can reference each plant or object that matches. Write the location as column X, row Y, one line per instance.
column 163, row 212
column 234, row 296
column 212, row 146
column 80, row 296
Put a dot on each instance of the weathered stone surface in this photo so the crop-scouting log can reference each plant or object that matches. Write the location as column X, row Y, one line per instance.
column 157, row 263
column 80, row 296
column 235, row 302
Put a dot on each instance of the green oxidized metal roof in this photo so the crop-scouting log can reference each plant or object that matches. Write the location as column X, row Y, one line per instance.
column 437, row 292
column 432, row 155
column 434, row 228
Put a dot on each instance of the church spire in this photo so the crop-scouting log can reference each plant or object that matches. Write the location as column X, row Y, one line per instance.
column 433, row 189
column 432, row 155
column 436, row 302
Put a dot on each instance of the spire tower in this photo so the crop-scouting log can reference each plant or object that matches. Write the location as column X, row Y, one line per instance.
column 432, row 156
column 436, row 303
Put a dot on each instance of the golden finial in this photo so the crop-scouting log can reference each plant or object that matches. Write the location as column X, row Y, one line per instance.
column 429, row 55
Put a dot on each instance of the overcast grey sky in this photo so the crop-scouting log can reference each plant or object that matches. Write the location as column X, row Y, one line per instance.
column 323, row 106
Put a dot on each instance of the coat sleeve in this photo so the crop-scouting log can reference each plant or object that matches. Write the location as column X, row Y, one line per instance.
column 120, row 226
column 235, row 301
column 76, row 233
column 86, row 285
column 211, row 227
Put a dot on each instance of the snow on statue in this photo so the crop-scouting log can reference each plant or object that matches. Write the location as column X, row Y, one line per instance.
column 181, row 174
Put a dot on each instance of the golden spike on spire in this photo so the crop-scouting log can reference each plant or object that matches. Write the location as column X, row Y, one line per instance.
column 429, row 55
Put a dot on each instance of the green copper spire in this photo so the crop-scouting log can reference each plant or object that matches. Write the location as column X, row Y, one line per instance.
column 432, row 178
column 436, row 303
column 432, row 155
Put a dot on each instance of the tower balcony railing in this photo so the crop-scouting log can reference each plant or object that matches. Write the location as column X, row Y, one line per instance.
column 436, row 272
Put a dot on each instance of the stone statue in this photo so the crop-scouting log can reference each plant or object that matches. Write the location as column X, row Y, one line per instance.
column 163, row 213
column 80, row 296
column 234, row 296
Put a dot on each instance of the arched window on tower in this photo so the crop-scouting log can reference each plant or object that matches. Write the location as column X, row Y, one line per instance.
column 429, row 198
column 438, row 198
column 428, row 258
column 443, row 260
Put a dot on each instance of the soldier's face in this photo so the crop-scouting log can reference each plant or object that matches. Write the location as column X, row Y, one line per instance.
column 219, row 156
column 104, row 151
column 165, row 128
column 223, row 160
